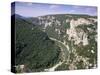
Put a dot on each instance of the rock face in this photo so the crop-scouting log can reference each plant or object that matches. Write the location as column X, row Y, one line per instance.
column 78, row 33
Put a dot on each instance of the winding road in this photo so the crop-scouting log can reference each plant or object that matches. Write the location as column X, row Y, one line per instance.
column 65, row 54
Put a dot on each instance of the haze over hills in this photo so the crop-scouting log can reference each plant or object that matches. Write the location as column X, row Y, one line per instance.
column 56, row 42
column 29, row 9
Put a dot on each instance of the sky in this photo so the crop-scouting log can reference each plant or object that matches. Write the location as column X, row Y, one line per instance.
column 28, row 9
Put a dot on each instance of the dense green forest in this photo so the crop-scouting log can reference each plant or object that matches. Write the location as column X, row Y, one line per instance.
column 34, row 49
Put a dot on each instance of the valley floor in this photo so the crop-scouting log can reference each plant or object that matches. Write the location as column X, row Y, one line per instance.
column 65, row 54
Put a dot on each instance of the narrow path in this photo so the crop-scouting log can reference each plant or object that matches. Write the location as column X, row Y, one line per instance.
column 64, row 48
column 54, row 67
column 65, row 54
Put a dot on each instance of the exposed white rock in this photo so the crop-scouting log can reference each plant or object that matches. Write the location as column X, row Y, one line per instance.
column 85, row 40
column 77, row 35
column 53, row 17
column 72, row 67
column 58, row 22
column 64, row 42
column 39, row 18
column 64, row 36
column 22, row 67
column 89, row 29
column 59, row 32
column 94, row 19
column 92, row 51
column 47, row 24
column 67, row 47
column 56, row 30
column 67, row 20
column 32, row 28
column 80, row 21
column 90, row 64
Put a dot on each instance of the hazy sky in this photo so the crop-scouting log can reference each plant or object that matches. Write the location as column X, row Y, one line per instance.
column 37, row 9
